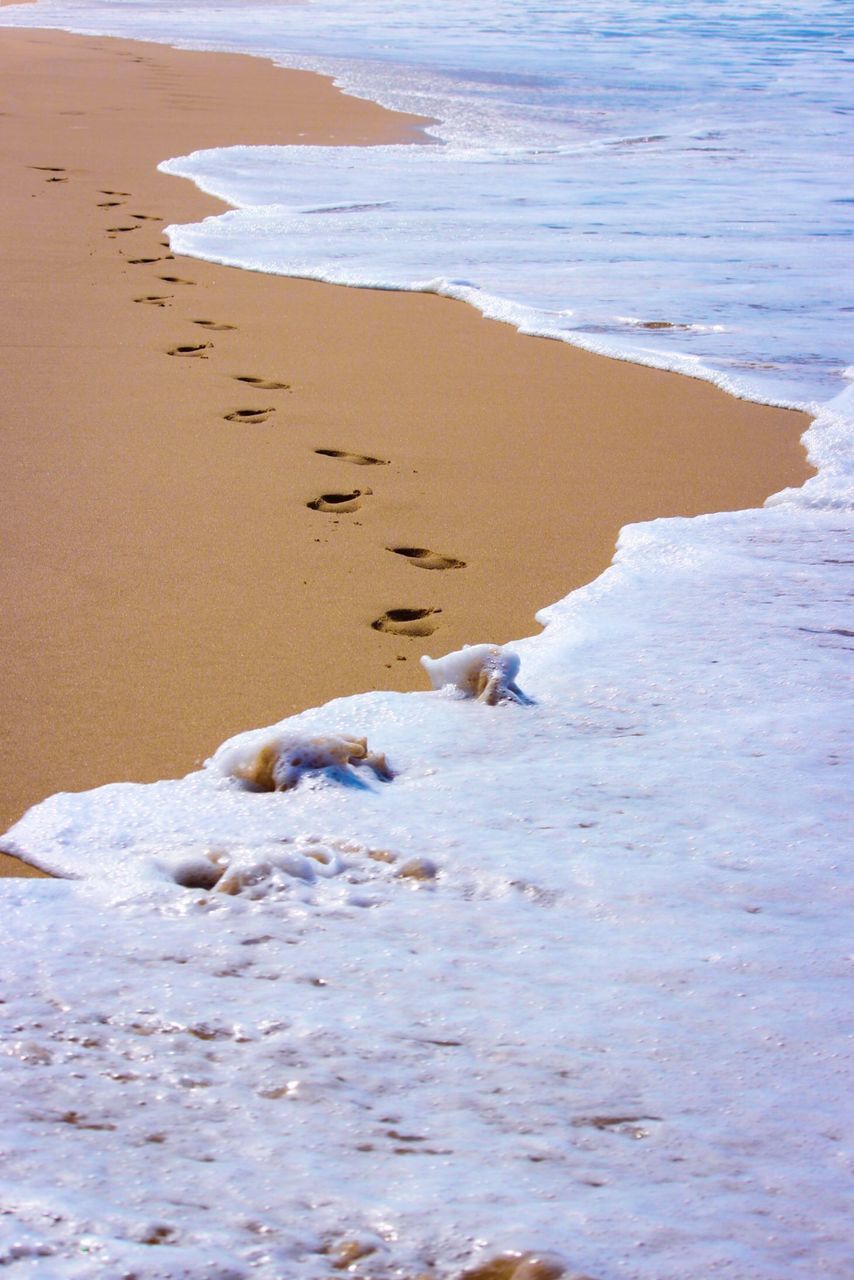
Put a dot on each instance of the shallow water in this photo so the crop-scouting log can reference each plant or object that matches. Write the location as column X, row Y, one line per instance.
column 609, row 1020
column 654, row 180
column 609, row 1023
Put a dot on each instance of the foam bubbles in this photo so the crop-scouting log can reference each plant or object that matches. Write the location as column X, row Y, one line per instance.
column 628, row 160
column 584, row 953
column 706, row 297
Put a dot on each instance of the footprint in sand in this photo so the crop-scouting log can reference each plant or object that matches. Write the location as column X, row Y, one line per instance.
column 175, row 280
column 214, row 325
column 256, row 416
column 426, row 559
column 114, row 193
column 114, row 230
column 145, row 217
column 407, row 622
column 55, row 179
column 263, row 384
column 156, row 300
column 358, row 459
column 135, row 262
column 190, row 349
column 109, row 204
column 48, row 168
column 339, row 502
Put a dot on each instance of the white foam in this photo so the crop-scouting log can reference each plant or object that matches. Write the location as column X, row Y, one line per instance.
column 572, row 980
column 616, row 989
column 622, row 161
column 451, row 220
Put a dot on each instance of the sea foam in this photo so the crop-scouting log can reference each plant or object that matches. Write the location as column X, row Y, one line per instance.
column 602, row 1016
column 648, row 180
column 616, row 991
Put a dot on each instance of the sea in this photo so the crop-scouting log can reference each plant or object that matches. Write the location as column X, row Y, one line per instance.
column 566, row 981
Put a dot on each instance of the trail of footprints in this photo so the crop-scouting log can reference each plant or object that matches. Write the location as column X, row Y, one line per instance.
column 413, row 622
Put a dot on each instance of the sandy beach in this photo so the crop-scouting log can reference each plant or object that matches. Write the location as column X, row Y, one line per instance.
column 216, row 482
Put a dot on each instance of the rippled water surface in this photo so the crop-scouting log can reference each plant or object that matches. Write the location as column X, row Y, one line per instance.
column 607, row 1019
column 670, row 182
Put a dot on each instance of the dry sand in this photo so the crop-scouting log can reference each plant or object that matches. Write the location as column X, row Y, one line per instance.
column 165, row 582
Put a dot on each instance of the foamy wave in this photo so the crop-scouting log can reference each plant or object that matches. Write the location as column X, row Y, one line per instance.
column 451, row 220
column 612, row 981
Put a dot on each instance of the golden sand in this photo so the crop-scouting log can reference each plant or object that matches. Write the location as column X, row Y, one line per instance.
column 216, row 482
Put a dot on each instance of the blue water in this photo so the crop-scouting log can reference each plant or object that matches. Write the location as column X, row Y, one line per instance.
column 670, row 182
column 639, row 906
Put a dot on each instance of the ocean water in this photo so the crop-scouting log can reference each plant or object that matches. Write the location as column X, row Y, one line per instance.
column 665, row 181
column 576, row 979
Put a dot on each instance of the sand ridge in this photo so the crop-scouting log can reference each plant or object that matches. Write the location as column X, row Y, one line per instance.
column 224, row 489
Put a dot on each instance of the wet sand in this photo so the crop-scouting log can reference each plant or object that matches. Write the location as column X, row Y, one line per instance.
column 167, row 424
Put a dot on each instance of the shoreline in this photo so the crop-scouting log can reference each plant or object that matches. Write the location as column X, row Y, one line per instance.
column 168, row 583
